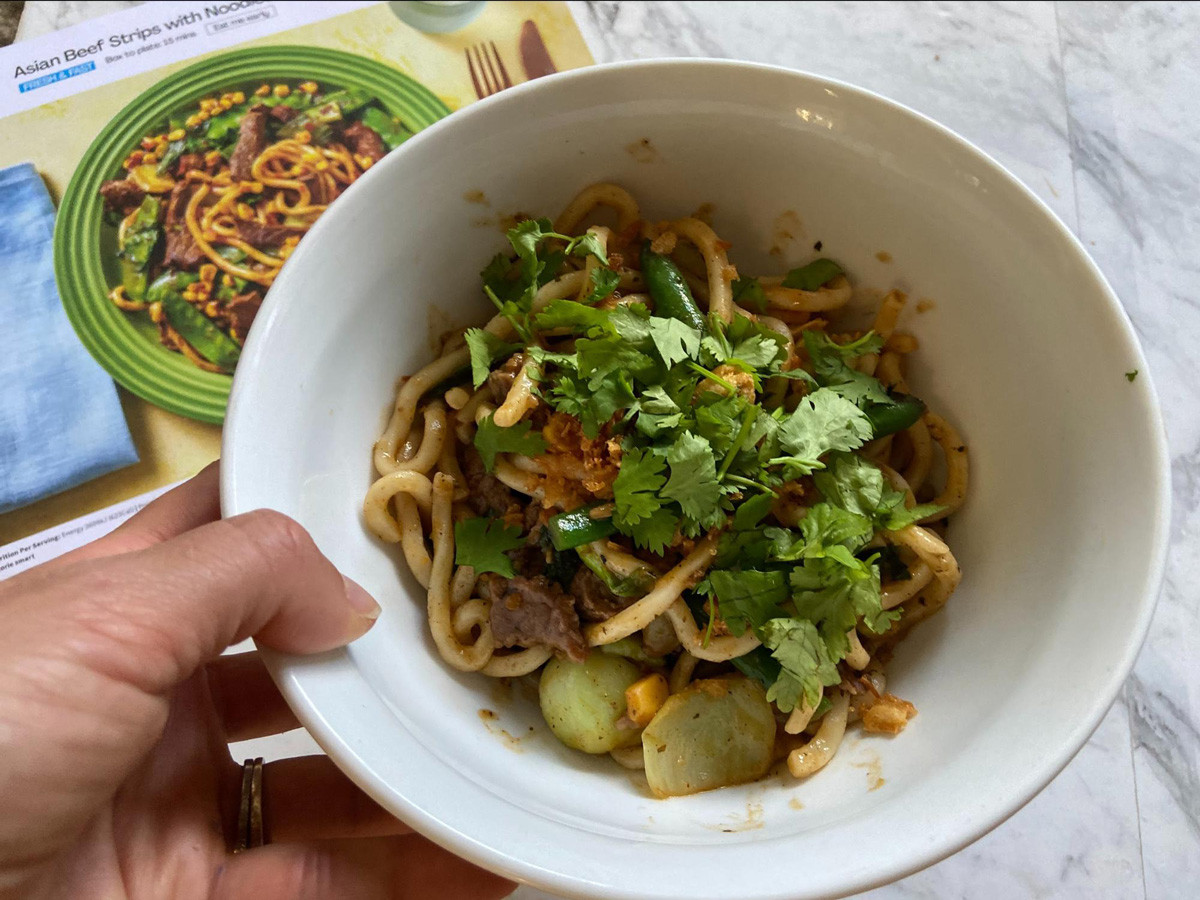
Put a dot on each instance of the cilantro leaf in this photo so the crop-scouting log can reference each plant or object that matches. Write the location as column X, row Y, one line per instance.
column 491, row 439
column 481, row 544
column 835, row 595
column 603, row 281
column 901, row 517
column 587, row 244
column 748, row 597
column 748, row 293
column 812, row 276
column 857, row 486
column 805, row 661
column 675, row 340
column 657, row 530
column 823, row 421
column 829, row 361
column 760, row 351
column 693, row 482
column 826, row 526
column 636, row 485
column 578, row 317
column 485, row 349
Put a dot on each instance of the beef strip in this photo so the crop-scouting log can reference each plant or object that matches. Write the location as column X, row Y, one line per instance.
column 187, row 162
column 500, row 381
column 281, row 113
column 182, row 251
column 241, row 309
column 593, row 600
column 257, row 235
column 364, row 141
column 122, row 196
column 531, row 611
column 177, row 203
column 488, row 494
column 252, row 140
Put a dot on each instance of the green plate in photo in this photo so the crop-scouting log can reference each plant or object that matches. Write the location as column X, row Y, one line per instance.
column 85, row 264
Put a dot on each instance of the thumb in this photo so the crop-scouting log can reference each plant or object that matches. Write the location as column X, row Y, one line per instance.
column 158, row 614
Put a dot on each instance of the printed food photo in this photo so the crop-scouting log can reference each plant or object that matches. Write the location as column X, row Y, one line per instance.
column 189, row 203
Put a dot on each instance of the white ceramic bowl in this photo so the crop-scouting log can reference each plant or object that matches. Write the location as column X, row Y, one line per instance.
column 1061, row 541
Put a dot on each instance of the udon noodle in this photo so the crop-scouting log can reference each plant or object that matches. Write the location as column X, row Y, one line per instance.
column 677, row 631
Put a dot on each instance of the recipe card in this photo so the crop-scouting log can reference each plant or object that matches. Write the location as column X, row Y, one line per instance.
column 172, row 156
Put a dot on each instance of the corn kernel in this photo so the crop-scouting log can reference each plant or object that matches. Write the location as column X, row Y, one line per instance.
column 644, row 697
column 281, row 91
column 245, row 212
column 176, row 135
column 193, row 120
column 202, row 116
column 210, row 309
column 226, row 102
column 263, row 91
column 208, row 272
column 238, row 97
column 309, row 87
column 366, row 162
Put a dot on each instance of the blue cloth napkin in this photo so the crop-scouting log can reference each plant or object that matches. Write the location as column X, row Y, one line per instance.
column 60, row 419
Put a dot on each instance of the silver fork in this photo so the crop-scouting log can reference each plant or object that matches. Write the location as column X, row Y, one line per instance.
column 488, row 74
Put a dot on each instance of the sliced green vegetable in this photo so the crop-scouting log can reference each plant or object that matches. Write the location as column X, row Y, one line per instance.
column 170, row 282
column 716, row 732
column 812, row 276
column 387, row 127
column 888, row 418
column 311, row 119
column 631, row 648
column 569, row 530
column 199, row 331
column 670, row 292
column 138, row 241
column 349, row 99
column 584, row 702
column 635, row 584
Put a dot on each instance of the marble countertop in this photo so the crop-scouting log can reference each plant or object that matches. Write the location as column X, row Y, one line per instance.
column 1096, row 107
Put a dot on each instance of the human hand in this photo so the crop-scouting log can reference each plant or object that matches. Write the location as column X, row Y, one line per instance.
column 116, row 709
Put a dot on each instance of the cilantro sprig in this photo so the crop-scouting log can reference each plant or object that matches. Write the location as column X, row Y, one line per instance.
column 702, row 449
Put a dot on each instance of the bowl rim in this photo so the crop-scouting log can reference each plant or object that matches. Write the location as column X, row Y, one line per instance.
column 966, row 829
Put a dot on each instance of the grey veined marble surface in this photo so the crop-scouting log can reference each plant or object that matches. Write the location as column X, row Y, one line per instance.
column 1096, row 106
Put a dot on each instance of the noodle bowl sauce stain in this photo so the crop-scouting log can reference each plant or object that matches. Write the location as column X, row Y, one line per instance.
column 489, row 717
column 787, row 228
column 735, row 823
column 870, row 761
column 643, row 151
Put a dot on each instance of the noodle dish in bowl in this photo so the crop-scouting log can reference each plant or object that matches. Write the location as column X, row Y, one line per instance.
column 734, row 454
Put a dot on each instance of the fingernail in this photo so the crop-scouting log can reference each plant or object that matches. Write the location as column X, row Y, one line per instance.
column 360, row 601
